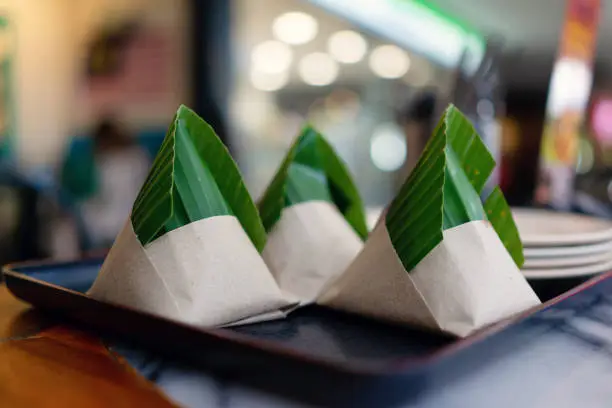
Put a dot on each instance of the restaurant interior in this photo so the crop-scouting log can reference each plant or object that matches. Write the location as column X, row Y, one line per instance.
column 372, row 76
column 373, row 86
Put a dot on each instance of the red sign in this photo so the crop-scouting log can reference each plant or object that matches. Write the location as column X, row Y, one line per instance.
column 567, row 101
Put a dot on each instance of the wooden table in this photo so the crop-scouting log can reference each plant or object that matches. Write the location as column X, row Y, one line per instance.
column 46, row 365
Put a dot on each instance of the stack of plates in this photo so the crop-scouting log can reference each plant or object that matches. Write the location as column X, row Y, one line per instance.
column 561, row 245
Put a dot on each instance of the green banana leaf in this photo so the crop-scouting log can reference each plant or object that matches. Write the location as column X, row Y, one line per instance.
column 312, row 171
column 443, row 191
column 461, row 201
column 475, row 158
column 500, row 216
column 193, row 177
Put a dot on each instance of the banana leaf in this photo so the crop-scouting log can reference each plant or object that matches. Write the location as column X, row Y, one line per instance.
column 193, row 177
column 312, row 171
column 443, row 191
column 500, row 216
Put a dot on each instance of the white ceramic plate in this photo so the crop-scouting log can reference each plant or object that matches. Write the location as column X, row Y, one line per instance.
column 569, row 251
column 567, row 261
column 549, row 228
column 573, row 272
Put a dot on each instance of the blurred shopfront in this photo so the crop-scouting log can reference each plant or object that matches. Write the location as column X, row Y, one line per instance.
column 65, row 66
column 355, row 80
column 256, row 70
column 261, row 72
column 372, row 75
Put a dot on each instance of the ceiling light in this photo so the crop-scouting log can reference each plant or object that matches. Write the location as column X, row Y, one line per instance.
column 389, row 61
column 271, row 57
column 318, row 69
column 295, row 28
column 347, row 46
column 268, row 82
column 388, row 147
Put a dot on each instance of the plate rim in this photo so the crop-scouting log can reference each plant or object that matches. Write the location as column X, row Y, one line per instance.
column 574, row 272
column 567, row 251
column 569, row 261
column 556, row 240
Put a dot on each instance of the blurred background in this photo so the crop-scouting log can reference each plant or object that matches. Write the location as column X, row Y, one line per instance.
column 88, row 88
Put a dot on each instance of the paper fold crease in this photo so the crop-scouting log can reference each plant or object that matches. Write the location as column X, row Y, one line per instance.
column 310, row 245
column 467, row 282
column 212, row 275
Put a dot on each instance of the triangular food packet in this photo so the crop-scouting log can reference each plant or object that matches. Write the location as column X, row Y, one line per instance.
column 190, row 250
column 314, row 217
column 439, row 258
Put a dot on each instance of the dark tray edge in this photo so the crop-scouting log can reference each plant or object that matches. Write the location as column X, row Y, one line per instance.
column 39, row 294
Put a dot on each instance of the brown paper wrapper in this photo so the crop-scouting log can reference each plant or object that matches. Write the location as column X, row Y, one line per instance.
column 467, row 282
column 310, row 246
column 207, row 273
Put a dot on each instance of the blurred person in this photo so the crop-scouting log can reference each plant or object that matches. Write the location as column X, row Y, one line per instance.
column 110, row 180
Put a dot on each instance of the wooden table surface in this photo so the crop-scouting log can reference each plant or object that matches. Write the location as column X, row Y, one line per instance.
column 46, row 365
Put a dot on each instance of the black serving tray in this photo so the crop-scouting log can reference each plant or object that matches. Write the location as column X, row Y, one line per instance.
column 316, row 354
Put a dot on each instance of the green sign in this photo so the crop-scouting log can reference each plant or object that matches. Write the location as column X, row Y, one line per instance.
column 415, row 25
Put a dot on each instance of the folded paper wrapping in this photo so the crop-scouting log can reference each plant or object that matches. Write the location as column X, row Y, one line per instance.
column 465, row 283
column 207, row 273
column 311, row 245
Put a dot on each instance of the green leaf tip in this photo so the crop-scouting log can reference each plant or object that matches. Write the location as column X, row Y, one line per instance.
column 312, row 171
column 193, row 177
column 474, row 156
column 500, row 216
column 443, row 191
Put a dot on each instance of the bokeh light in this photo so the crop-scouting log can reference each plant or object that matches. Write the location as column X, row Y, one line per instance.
column 295, row 28
column 267, row 82
column 388, row 147
column 348, row 47
column 318, row 69
column 389, row 61
column 271, row 57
